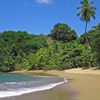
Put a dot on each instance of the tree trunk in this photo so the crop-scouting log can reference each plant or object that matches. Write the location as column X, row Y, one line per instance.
column 86, row 26
column 85, row 33
column 87, row 41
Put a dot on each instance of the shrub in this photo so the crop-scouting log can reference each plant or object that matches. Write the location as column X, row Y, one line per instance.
column 5, row 69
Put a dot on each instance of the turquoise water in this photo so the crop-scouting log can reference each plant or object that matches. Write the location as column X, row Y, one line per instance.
column 16, row 78
column 18, row 84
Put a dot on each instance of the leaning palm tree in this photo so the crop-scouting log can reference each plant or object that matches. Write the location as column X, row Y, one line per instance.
column 86, row 11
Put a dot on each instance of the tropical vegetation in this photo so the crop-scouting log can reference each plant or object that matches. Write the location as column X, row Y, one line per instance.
column 59, row 50
column 23, row 51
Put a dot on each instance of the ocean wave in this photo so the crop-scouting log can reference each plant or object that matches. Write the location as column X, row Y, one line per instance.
column 21, row 91
column 10, row 83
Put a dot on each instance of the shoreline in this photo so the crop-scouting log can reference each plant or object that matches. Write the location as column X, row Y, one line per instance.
column 55, row 93
column 90, row 71
column 85, row 83
column 82, row 85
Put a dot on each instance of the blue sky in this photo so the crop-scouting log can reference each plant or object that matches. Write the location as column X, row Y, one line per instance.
column 39, row 16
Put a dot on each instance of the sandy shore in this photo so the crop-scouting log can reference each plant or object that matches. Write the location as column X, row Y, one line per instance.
column 57, row 93
column 86, row 83
column 82, row 85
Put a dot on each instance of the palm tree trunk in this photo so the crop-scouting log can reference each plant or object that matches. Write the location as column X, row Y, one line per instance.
column 85, row 33
column 86, row 26
column 87, row 41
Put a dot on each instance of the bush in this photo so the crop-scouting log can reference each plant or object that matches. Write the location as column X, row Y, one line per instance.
column 5, row 69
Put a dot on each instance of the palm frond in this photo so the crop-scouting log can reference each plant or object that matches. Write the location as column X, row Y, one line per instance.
column 86, row 10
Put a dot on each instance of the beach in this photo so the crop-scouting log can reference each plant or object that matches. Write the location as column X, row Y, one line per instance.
column 86, row 83
column 82, row 85
column 58, row 93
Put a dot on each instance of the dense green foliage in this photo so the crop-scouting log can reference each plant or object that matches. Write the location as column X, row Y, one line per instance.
column 23, row 51
column 93, row 37
column 15, row 46
column 96, row 43
column 63, row 32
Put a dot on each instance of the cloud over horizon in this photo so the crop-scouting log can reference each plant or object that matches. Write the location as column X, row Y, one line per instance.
column 44, row 1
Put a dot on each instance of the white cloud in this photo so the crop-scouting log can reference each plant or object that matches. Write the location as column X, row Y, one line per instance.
column 44, row 1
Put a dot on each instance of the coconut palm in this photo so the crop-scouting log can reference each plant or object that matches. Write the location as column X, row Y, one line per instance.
column 86, row 11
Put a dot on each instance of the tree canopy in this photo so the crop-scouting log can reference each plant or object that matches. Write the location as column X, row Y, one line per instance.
column 86, row 11
column 63, row 32
column 23, row 51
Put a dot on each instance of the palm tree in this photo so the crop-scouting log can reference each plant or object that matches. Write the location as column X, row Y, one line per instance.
column 86, row 11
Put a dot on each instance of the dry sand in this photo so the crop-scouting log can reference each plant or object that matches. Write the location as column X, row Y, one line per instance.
column 86, row 83
column 82, row 85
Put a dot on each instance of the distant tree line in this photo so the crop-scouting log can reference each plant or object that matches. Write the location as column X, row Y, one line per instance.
column 61, row 49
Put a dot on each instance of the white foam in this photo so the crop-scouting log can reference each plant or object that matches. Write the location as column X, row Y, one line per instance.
column 22, row 91
column 10, row 83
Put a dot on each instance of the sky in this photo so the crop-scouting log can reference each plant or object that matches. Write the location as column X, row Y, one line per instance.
column 39, row 16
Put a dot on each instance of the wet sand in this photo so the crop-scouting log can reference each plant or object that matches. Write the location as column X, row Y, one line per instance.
column 58, row 93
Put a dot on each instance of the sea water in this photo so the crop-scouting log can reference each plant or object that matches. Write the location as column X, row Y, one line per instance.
column 18, row 84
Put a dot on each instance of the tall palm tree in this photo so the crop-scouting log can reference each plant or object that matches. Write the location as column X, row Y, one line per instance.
column 86, row 11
